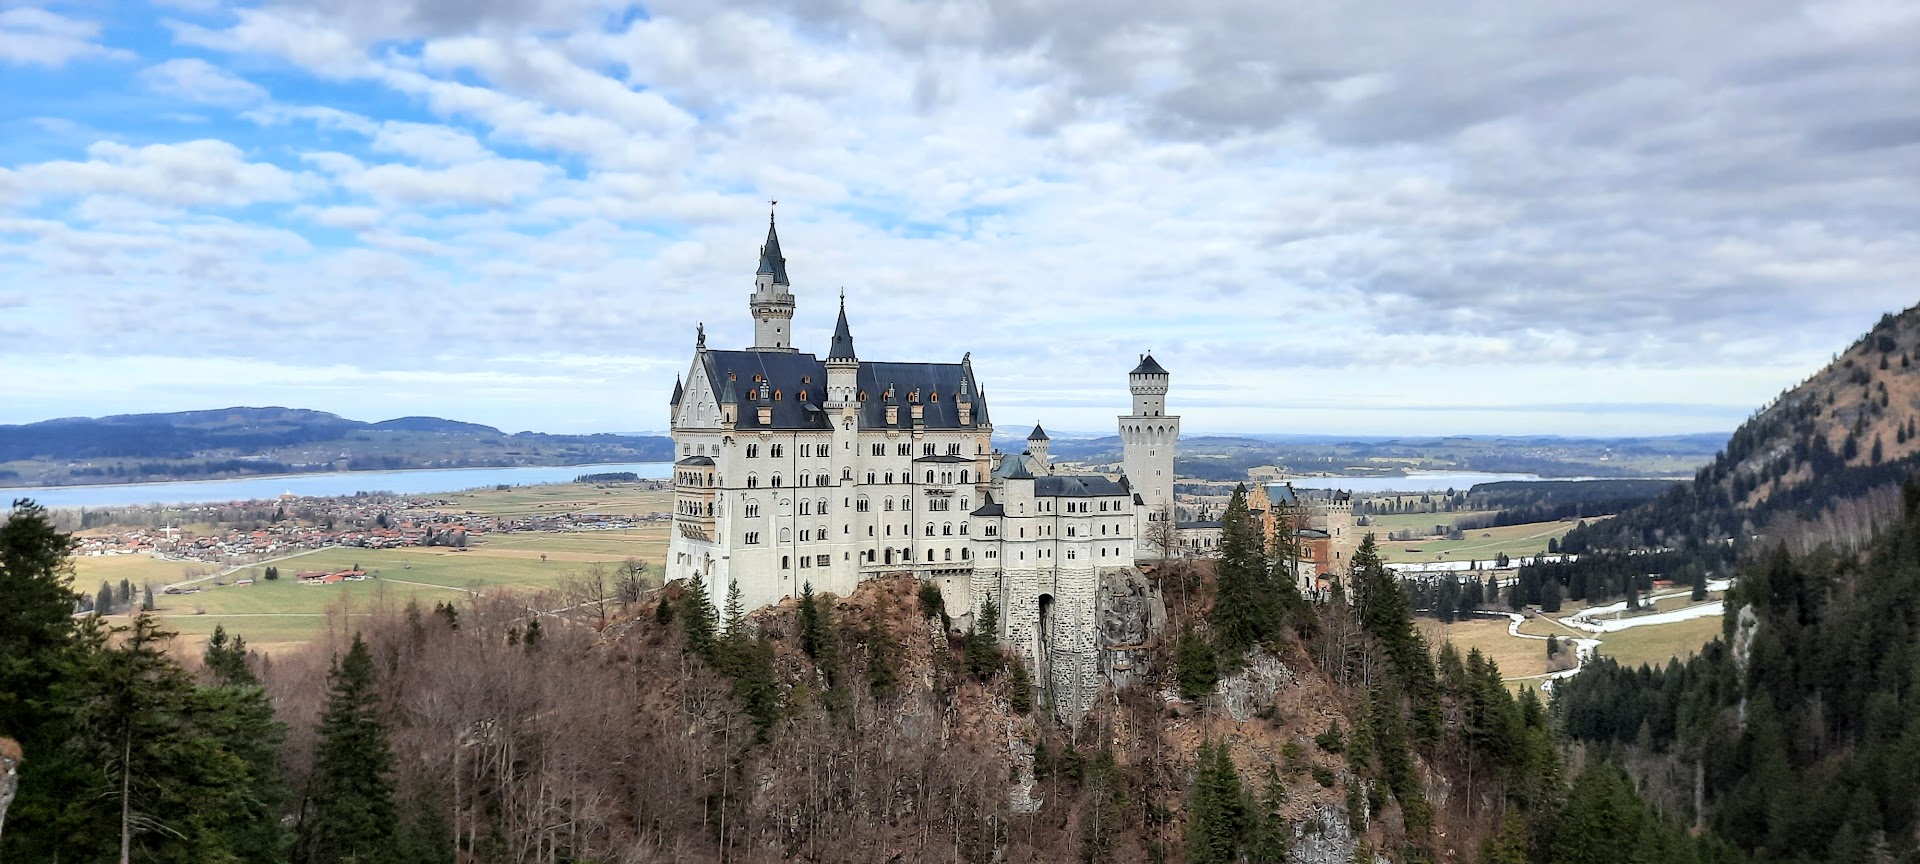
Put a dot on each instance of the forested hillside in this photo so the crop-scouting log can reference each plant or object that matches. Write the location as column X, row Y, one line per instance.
column 1822, row 464
column 1797, row 736
column 855, row 729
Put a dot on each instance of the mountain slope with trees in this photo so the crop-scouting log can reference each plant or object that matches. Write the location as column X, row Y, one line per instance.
column 863, row 728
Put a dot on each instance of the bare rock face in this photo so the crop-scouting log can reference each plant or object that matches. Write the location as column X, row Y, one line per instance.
column 9, row 776
column 1326, row 838
column 1131, row 618
column 1244, row 692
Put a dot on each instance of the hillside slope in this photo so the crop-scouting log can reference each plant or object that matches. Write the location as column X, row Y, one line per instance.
column 238, row 441
column 1822, row 463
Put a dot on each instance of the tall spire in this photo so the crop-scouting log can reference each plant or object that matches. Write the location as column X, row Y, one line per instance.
column 772, row 263
column 842, row 335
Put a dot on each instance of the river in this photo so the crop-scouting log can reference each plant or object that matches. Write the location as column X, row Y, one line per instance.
column 419, row 482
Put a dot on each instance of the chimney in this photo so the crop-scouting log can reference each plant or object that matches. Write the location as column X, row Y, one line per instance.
column 765, row 403
column 893, row 407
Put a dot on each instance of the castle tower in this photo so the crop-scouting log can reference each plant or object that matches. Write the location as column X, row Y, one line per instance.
column 772, row 298
column 843, row 366
column 1037, row 445
column 1148, row 437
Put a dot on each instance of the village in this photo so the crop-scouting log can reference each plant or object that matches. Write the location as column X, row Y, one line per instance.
column 249, row 532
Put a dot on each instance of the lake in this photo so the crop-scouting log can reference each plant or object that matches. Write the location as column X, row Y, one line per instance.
column 422, row 482
column 1419, row 481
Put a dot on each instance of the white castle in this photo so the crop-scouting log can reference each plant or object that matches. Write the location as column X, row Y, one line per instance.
column 795, row 469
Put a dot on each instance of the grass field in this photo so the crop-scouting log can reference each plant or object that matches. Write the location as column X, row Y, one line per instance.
column 281, row 613
column 1384, row 525
column 1483, row 544
column 1659, row 643
column 561, row 498
column 1518, row 658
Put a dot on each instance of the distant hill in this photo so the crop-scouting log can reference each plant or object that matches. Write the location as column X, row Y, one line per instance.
column 1822, row 463
column 240, row 441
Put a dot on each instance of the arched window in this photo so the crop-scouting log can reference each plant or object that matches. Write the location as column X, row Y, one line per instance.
column 963, row 529
column 846, row 474
column 929, row 476
column 804, row 480
column 820, row 507
column 964, row 554
column 870, row 478
column 949, row 555
column 753, row 481
column 963, row 477
column 889, row 476
column 929, row 556
column 806, row 507
column 786, row 562
column 753, row 509
column 776, row 450
column 822, row 480
column 776, row 481
column 786, row 535
column 753, row 451
column 929, row 529
column 946, row 528
column 888, row 505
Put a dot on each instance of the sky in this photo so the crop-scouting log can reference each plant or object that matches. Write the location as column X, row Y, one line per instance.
column 1590, row 217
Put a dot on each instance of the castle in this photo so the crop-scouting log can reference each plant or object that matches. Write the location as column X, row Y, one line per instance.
column 795, row 470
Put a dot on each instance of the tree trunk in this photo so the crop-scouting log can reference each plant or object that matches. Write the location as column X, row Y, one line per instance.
column 126, row 801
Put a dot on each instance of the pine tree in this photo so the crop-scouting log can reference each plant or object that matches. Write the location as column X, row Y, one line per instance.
column 124, row 599
column 146, row 601
column 983, row 642
column 1020, row 689
column 663, row 613
column 1271, row 833
column 809, row 622
column 350, row 806
column 103, row 599
column 227, row 659
column 1699, row 586
column 736, row 609
column 698, row 617
column 1244, row 605
column 1217, row 812
column 881, row 674
column 1194, row 665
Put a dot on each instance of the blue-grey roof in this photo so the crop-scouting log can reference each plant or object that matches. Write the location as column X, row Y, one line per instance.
column 791, row 374
column 1199, row 526
column 678, row 391
column 1282, row 495
column 771, row 261
column 696, row 460
column 1077, row 486
column 991, row 508
column 1148, row 366
column 1038, row 434
column 943, row 458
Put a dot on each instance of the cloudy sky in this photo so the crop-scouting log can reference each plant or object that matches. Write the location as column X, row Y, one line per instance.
column 1352, row 216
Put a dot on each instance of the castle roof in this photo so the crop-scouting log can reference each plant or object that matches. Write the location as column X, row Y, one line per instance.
column 678, row 391
column 1077, row 486
column 696, row 460
column 771, row 261
column 1148, row 366
column 990, row 508
column 1014, row 468
column 790, row 375
column 1038, row 434
column 842, row 336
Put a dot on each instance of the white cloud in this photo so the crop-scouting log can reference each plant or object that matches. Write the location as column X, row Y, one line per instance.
column 206, row 172
column 36, row 37
column 196, row 80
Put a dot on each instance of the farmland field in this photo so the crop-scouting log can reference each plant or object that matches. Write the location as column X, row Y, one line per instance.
column 560, row 498
column 282, row 613
column 1481, row 544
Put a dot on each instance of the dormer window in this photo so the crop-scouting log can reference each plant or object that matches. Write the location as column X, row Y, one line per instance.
column 776, row 395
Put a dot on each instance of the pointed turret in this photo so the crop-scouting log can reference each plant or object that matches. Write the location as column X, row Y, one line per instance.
column 1037, row 446
column 772, row 300
column 771, row 262
column 842, row 336
column 1038, row 434
column 678, row 391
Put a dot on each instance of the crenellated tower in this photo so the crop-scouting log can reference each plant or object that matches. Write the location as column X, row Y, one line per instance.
column 772, row 298
column 1148, row 437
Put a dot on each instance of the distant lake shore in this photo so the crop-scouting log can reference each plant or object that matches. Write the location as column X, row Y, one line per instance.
column 416, row 481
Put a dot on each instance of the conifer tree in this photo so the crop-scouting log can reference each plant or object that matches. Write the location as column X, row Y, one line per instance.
column 663, row 613
column 1244, row 606
column 1195, row 665
column 1271, row 835
column 881, row 674
column 736, row 609
column 350, row 812
column 983, row 642
column 227, row 659
column 146, row 601
column 809, row 622
column 244, row 724
column 1216, row 816
column 697, row 616
column 103, row 600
